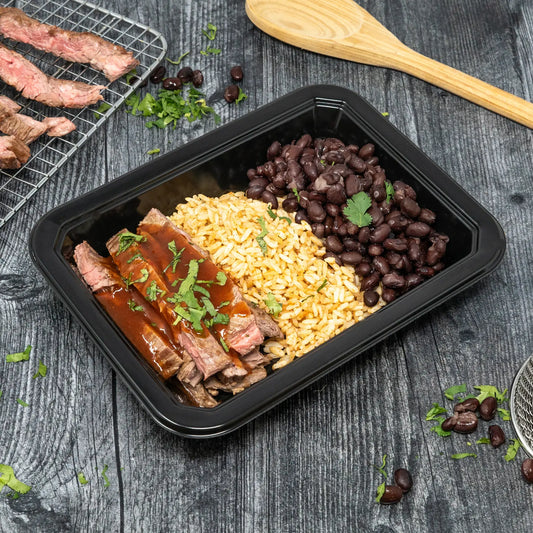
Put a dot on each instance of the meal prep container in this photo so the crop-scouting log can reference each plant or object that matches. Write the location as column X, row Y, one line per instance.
column 217, row 163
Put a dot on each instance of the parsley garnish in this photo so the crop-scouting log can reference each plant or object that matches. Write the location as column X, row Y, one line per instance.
column 296, row 193
column 153, row 151
column 22, row 402
column 19, row 356
column 1, row 392
column 134, row 307
column 211, row 32
column 138, row 255
column 260, row 238
column 437, row 428
column 153, row 291
column 7, row 477
column 490, row 390
column 322, row 285
column 241, row 96
column 81, row 479
column 178, row 61
column 144, row 276
column 176, row 256
column 505, row 414
column 224, row 345
column 385, row 113
column 210, row 50
column 512, row 450
column 41, row 371
column 436, row 410
column 379, row 492
column 273, row 305
column 390, row 191
column 381, row 468
column 126, row 239
column 483, row 440
column 271, row 213
column 451, row 392
column 356, row 209
column 463, row 455
column 104, row 106
column 106, row 480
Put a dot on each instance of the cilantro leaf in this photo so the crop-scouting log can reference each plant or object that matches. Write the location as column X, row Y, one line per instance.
column 138, row 255
column 19, row 356
column 451, row 392
column 296, row 193
column 390, row 191
column 271, row 213
column 273, row 305
column 379, row 492
column 153, row 151
column 356, row 209
column 434, row 411
column 438, row 427
column 178, row 61
column 104, row 106
column 463, row 455
column 7, row 477
column 131, row 75
column 126, row 239
column 483, row 440
column 381, row 468
column 22, row 402
column 176, row 256
column 490, row 390
column 322, row 285
column 106, row 480
column 153, row 291
column 505, row 414
column 512, row 450
column 1, row 392
column 260, row 238
column 41, row 370
column 242, row 96
column 134, row 306
column 224, row 345
column 81, row 479
column 221, row 278
column 211, row 32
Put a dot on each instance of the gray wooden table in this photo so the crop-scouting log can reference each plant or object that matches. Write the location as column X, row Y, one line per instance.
column 307, row 464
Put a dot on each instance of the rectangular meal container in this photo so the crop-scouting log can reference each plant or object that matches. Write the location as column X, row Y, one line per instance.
column 217, row 163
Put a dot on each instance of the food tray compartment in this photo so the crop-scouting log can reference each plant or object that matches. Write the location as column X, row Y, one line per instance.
column 217, row 163
column 48, row 154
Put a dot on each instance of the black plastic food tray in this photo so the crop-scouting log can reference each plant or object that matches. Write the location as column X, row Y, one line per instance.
column 217, row 163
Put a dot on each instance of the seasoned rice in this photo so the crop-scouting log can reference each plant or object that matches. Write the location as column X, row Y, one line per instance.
column 292, row 269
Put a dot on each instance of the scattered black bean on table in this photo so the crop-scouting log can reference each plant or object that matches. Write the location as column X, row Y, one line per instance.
column 488, row 407
column 496, row 436
column 527, row 470
column 236, row 73
column 231, row 93
column 392, row 494
column 316, row 177
column 403, row 479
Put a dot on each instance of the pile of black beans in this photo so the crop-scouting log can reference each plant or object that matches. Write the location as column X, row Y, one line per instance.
column 403, row 483
column 316, row 177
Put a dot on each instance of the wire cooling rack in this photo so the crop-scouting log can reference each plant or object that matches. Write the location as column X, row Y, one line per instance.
column 521, row 405
column 48, row 154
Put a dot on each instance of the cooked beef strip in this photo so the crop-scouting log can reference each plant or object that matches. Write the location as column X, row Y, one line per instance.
column 13, row 152
column 22, row 127
column 198, row 395
column 189, row 373
column 9, row 105
column 58, row 126
column 79, row 47
column 268, row 326
column 145, row 328
column 134, row 264
column 34, row 84
column 242, row 334
column 234, row 385
column 254, row 359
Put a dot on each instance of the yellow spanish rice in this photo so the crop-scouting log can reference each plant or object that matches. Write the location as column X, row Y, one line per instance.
column 292, row 270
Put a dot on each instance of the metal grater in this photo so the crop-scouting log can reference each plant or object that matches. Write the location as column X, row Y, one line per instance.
column 521, row 405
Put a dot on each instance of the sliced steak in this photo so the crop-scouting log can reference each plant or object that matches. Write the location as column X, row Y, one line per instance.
column 268, row 326
column 79, row 47
column 9, row 105
column 189, row 372
column 198, row 396
column 234, row 385
column 22, row 127
column 34, row 84
column 13, row 152
column 58, row 126
column 135, row 264
column 242, row 333
column 141, row 324
column 254, row 359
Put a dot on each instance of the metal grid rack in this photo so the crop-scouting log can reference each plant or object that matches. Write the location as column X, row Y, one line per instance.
column 48, row 154
column 521, row 405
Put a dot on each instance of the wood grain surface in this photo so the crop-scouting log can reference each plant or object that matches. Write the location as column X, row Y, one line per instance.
column 306, row 465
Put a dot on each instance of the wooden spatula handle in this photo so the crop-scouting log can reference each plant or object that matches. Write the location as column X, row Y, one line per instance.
column 466, row 86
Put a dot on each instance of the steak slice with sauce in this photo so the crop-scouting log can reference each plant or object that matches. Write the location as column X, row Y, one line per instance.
column 13, row 152
column 242, row 333
column 34, row 84
column 79, row 47
column 141, row 324
column 132, row 255
column 234, row 384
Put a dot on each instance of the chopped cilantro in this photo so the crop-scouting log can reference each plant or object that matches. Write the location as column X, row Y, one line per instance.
column 490, row 390
column 153, row 291
column 224, row 345
column 126, row 239
column 385, row 113
column 144, row 276
column 81, row 479
column 134, row 307
column 381, row 468
column 7, row 477
column 512, row 450
column 42, row 370
column 178, row 61
column 483, row 440
column 273, row 305
column 271, row 213
column 130, row 75
column 22, row 402
column 106, row 480
column 322, row 285
column 211, row 32
column 1, row 392
column 153, row 151
column 434, row 411
column 379, row 492
column 260, row 238
column 242, row 96
column 463, row 455
column 138, row 255
column 437, row 428
column 221, row 278
column 451, row 392
column 505, row 414
column 390, row 191
column 306, row 298
column 210, row 50
column 176, row 256
column 356, row 209
column 19, row 356
column 296, row 193
column 104, row 106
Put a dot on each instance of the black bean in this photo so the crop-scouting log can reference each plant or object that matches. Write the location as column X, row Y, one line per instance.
column 310, row 169
column 427, row 216
column 333, row 209
column 270, row 198
column 380, row 233
column 412, row 280
column 402, row 190
column 403, row 479
column 388, row 295
column 231, row 93
column 466, row 422
column 436, row 251
column 396, row 245
column 527, row 470
column 274, row 150
column 301, row 215
column 417, row 229
column 357, row 164
column 488, row 407
column 336, row 195
column 197, row 78
column 398, row 223
column 393, row 280
column 305, row 140
column 370, row 298
column 334, row 157
column 450, row 422
column 172, row 84
column 364, row 235
column 374, row 249
column 290, row 204
column 496, row 436
column 425, row 271
column 316, row 212
column 363, row 269
column 280, row 182
column 185, row 74
column 381, row 265
column 333, row 244
column 409, row 207
column 366, row 151
column 259, row 182
column 158, row 74
column 470, row 404
column 393, row 494
column 378, row 194
column 318, row 230
column 328, row 225
column 254, row 192
column 236, row 73
column 335, row 256
column 352, row 185
column 274, row 190
column 373, row 161
column 293, row 152
column 370, row 281
column 351, row 258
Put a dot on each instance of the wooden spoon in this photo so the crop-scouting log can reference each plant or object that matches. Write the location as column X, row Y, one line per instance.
column 341, row 28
